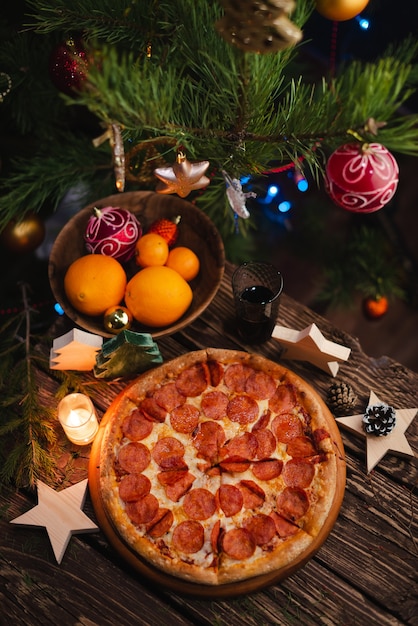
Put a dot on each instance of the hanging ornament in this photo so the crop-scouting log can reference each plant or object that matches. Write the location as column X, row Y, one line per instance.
column 259, row 25
column 167, row 229
column 68, row 66
column 361, row 178
column 340, row 10
column 23, row 235
column 183, row 177
column 112, row 231
column 237, row 198
column 114, row 135
column 116, row 319
column 375, row 308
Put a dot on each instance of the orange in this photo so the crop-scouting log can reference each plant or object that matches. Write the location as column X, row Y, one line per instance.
column 184, row 261
column 151, row 249
column 157, row 296
column 94, row 282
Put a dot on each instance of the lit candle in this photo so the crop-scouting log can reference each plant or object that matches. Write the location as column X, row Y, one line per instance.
column 78, row 418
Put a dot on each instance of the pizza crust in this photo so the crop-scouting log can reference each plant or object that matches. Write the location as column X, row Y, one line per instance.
column 207, row 566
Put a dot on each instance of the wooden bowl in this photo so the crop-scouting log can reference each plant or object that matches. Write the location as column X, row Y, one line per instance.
column 196, row 231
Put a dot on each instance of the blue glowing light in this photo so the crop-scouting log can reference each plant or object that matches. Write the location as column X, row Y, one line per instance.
column 363, row 22
column 303, row 185
column 58, row 308
column 284, row 206
column 245, row 179
column 272, row 191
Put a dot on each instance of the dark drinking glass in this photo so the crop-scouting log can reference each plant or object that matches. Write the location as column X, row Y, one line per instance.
column 257, row 288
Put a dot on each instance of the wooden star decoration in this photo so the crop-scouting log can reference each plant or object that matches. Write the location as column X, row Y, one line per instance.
column 183, row 177
column 60, row 513
column 76, row 350
column 378, row 447
column 310, row 345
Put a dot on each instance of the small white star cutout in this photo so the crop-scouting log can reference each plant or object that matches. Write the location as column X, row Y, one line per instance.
column 60, row 513
column 310, row 345
column 378, row 447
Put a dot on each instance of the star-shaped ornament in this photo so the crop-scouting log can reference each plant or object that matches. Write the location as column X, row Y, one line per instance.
column 60, row 513
column 310, row 345
column 378, row 446
column 183, row 177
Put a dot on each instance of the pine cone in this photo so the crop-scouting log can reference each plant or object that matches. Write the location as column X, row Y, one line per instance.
column 379, row 419
column 341, row 398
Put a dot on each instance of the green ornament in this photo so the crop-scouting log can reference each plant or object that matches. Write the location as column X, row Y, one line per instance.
column 127, row 355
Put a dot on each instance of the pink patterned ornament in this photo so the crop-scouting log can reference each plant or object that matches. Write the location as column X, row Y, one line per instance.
column 361, row 178
column 112, row 231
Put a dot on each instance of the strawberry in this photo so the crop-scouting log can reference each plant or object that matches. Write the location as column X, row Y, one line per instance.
column 166, row 228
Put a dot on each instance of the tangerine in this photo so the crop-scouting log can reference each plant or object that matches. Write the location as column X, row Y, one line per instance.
column 150, row 250
column 94, row 282
column 157, row 296
column 184, row 261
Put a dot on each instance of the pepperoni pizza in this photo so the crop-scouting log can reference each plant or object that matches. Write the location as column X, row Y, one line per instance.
column 218, row 466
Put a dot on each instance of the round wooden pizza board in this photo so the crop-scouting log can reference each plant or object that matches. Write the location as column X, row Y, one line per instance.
column 179, row 585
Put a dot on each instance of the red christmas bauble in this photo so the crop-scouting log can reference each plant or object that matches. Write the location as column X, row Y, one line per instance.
column 68, row 66
column 340, row 10
column 112, row 231
column 375, row 308
column 166, row 228
column 361, row 177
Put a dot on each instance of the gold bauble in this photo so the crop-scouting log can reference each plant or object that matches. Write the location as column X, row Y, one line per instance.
column 117, row 318
column 23, row 235
column 340, row 10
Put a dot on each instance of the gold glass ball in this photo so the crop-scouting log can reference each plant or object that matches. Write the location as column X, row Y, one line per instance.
column 116, row 319
column 340, row 10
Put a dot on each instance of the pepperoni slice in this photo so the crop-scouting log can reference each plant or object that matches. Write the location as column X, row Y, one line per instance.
column 176, row 490
column 242, row 447
column 236, row 376
column 208, row 440
column 230, row 499
column 169, row 477
column 242, row 409
column 193, row 381
column 168, row 453
column 134, row 457
column 234, row 465
column 216, row 371
column 169, row 397
column 136, row 426
column 238, row 543
column 152, row 409
column 199, row 504
column 160, row 523
column 252, row 494
column 262, row 422
column 260, row 385
column 268, row 469
column 298, row 473
column 134, row 487
column 184, row 418
column 292, row 503
column 286, row 427
column 300, row 447
column 284, row 399
column 189, row 536
column 144, row 510
column 284, row 528
column 266, row 443
column 213, row 404
column 215, row 536
column 261, row 527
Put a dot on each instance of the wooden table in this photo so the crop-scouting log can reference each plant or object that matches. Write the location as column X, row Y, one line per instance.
column 365, row 572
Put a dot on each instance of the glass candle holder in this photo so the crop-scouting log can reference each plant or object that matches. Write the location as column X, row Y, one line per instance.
column 78, row 418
